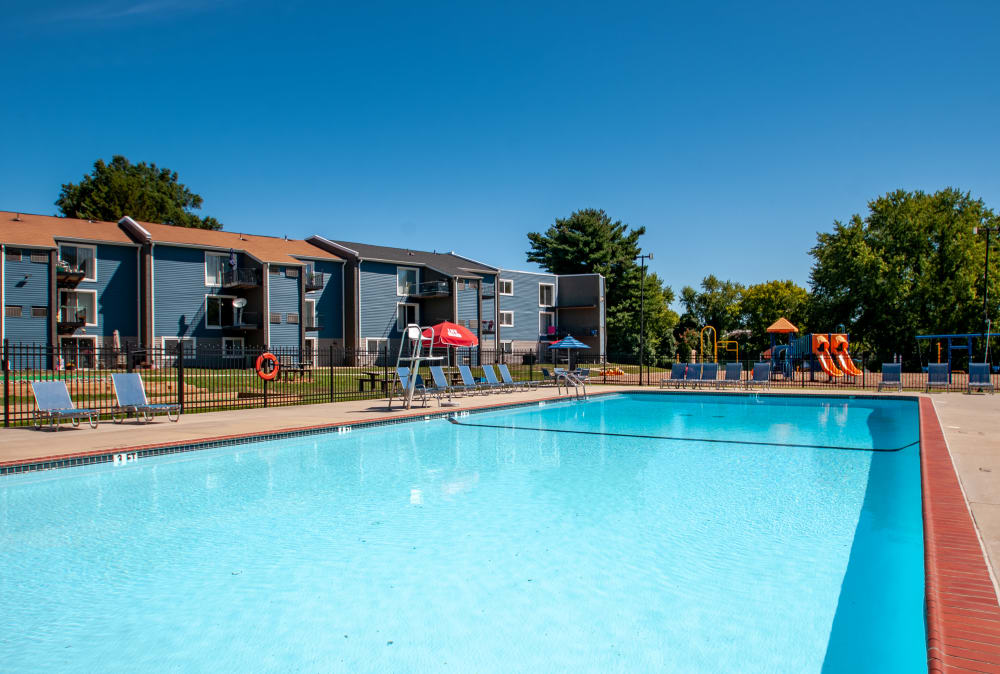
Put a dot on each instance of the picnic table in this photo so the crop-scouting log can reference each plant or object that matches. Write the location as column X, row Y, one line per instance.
column 300, row 368
column 369, row 379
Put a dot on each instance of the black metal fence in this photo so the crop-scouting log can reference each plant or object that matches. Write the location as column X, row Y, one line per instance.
column 205, row 377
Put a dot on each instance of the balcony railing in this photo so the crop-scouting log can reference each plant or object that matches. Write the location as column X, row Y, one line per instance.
column 244, row 320
column 312, row 323
column 313, row 280
column 71, row 318
column 429, row 289
column 241, row 278
column 69, row 277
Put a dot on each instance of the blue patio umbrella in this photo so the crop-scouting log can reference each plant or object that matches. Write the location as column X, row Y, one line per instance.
column 569, row 343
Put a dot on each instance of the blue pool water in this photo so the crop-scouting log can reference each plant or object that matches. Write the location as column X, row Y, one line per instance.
column 724, row 539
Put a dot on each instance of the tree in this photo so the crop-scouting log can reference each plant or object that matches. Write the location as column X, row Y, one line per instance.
column 589, row 241
column 717, row 304
column 141, row 191
column 912, row 265
column 764, row 303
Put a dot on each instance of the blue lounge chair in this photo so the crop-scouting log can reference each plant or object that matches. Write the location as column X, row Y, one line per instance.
column 441, row 385
column 733, row 376
column 979, row 377
column 131, row 398
column 676, row 375
column 709, row 374
column 468, row 380
column 937, row 376
column 510, row 381
column 53, row 404
column 693, row 375
column 402, row 384
column 548, row 377
column 892, row 376
column 492, row 383
column 761, row 376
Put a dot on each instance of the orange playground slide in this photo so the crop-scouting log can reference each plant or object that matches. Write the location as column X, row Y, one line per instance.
column 843, row 357
column 821, row 349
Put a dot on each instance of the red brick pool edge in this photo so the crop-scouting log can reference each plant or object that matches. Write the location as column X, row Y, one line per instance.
column 963, row 616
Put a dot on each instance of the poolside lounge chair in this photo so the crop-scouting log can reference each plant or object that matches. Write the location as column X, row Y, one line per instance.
column 131, row 398
column 441, row 385
column 510, row 381
column 937, row 376
column 403, row 383
column 676, row 375
column 53, row 404
column 549, row 377
column 709, row 374
column 761, row 375
column 492, row 383
column 892, row 376
column 693, row 375
column 468, row 380
column 979, row 377
column 733, row 376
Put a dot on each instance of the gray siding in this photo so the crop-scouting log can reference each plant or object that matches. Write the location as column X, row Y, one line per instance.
column 117, row 289
column 329, row 301
column 524, row 304
column 283, row 298
column 26, row 284
column 468, row 303
column 379, row 299
column 179, row 293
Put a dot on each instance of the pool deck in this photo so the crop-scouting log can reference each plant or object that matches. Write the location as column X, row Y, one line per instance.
column 960, row 452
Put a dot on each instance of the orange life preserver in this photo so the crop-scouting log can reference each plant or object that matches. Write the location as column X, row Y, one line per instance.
column 272, row 371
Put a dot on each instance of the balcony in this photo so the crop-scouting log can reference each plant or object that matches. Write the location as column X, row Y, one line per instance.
column 244, row 321
column 313, row 280
column 429, row 289
column 312, row 325
column 70, row 319
column 241, row 278
column 68, row 277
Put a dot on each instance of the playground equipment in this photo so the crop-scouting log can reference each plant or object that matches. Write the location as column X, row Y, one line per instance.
column 728, row 346
column 829, row 351
column 838, row 344
column 780, row 360
column 959, row 347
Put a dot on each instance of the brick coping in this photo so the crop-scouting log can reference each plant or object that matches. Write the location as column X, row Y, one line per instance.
column 962, row 612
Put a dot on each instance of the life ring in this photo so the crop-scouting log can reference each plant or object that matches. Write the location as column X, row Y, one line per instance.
column 269, row 372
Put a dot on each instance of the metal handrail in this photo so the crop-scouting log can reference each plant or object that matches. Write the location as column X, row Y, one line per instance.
column 244, row 276
column 571, row 378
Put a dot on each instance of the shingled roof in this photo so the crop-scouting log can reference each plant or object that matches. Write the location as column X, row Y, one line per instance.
column 447, row 263
column 42, row 231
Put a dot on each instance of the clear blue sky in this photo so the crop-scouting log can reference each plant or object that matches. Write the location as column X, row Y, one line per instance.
column 733, row 131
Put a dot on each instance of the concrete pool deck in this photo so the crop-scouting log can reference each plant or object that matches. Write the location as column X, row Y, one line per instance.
column 961, row 506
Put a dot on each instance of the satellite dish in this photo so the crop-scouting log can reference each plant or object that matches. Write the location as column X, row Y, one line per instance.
column 239, row 302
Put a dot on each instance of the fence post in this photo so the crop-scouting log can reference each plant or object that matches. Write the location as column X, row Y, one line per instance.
column 604, row 368
column 5, row 363
column 330, row 365
column 180, row 374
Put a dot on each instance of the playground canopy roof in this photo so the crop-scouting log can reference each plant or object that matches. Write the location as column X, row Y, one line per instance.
column 782, row 325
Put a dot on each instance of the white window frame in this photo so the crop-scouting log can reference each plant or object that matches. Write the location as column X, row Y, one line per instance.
column 500, row 315
column 378, row 341
column 416, row 279
column 416, row 314
column 312, row 344
column 81, row 292
column 546, row 285
column 180, row 340
column 91, row 248
column 225, row 261
column 309, row 309
column 221, row 297
column 234, row 353
column 545, row 313
column 78, row 338
column 500, row 283
column 506, row 346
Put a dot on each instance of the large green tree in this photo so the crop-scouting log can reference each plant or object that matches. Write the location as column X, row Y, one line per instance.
column 911, row 265
column 762, row 304
column 590, row 241
column 142, row 191
column 716, row 304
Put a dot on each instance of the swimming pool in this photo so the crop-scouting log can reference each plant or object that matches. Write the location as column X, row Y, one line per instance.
column 632, row 532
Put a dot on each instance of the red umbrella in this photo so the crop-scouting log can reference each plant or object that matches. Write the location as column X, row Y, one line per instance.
column 450, row 334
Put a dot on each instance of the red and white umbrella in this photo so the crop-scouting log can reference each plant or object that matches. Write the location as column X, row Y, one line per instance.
column 450, row 334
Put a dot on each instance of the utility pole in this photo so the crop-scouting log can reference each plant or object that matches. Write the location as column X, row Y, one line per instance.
column 642, row 311
column 986, row 289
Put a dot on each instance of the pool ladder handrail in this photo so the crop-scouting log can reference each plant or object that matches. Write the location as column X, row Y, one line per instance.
column 570, row 378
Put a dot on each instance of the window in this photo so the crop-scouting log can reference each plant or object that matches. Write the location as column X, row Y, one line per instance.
column 232, row 347
column 78, row 306
column 81, row 258
column 506, row 346
column 376, row 344
column 473, row 324
column 39, row 312
column 218, row 311
column 406, row 281
column 546, row 295
column 215, row 268
column 39, row 257
column 309, row 314
column 546, row 323
column 406, row 314
column 506, row 319
column 78, row 352
column 292, row 319
column 12, row 311
column 171, row 345
column 14, row 254
column 505, row 287
column 275, row 317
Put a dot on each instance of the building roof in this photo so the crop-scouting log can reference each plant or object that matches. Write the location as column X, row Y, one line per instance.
column 264, row 248
column 42, row 231
column 782, row 325
column 447, row 263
